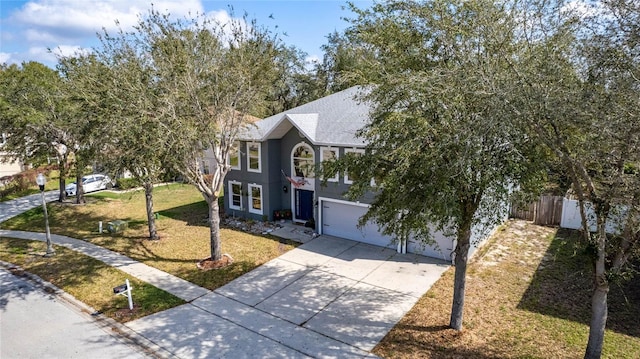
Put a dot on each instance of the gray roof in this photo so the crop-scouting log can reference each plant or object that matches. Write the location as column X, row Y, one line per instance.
column 331, row 120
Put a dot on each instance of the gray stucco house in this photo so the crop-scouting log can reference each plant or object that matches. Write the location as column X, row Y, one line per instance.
column 272, row 171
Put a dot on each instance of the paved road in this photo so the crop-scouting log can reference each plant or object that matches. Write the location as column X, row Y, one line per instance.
column 36, row 324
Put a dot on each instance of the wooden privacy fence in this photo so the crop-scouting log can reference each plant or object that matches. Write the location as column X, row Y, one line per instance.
column 547, row 211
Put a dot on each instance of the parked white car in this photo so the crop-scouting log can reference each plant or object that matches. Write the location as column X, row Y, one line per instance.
column 90, row 183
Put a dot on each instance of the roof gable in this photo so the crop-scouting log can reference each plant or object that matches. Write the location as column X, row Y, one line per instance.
column 331, row 120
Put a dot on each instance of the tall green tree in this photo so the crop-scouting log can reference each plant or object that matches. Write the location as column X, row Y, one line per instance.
column 442, row 148
column 292, row 84
column 33, row 113
column 576, row 88
column 219, row 74
column 86, row 85
column 132, row 105
column 343, row 64
column 203, row 80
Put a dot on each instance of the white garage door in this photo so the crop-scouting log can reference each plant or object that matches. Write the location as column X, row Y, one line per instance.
column 341, row 220
column 442, row 248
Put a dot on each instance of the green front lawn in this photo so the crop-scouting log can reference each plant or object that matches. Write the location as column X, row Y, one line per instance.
column 181, row 223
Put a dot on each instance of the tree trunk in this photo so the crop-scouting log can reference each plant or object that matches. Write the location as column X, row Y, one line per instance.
column 79, row 189
column 151, row 219
column 214, row 227
column 599, row 310
column 462, row 255
column 62, row 179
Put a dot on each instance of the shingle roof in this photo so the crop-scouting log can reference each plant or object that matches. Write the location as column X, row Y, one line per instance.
column 331, row 120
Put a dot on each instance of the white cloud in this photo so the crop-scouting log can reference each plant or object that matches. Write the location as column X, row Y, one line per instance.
column 73, row 19
column 5, row 58
column 39, row 36
column 67, row 25
column 40, row 54
column 220, row 16
column 69, row 50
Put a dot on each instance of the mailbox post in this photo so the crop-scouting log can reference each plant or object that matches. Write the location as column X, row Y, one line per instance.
column 124, row 289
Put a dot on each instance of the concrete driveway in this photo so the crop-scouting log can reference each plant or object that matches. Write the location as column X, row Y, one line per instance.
column 329, row 298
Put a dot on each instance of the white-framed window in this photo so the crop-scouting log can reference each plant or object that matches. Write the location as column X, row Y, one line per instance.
column 255, row 199
column 303, row 161
column 348, row 179
column 235, row 195
column 233, row 157
column 254, row 163
column 329, row 154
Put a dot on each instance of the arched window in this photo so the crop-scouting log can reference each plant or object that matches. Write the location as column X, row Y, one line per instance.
column 303, row 161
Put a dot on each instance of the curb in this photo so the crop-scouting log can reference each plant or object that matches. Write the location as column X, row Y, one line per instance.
column 124, row 333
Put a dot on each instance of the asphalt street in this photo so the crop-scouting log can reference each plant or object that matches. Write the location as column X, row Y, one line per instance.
column 37, row 324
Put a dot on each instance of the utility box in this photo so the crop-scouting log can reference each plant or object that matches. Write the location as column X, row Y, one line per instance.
column 117, row 226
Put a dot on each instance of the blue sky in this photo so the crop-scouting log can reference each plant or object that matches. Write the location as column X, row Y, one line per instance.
column 29, row 28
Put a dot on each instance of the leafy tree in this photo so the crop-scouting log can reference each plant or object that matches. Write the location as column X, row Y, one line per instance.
column 33, row 112
column 292, row 84
column 204, row 79
column 442, row 149
column 86, row 87
column 121, row 88
column 343, row 63
column 577, row 89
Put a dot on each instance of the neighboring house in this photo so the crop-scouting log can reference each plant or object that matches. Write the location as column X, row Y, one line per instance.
column 273, row 171
column 8, row 165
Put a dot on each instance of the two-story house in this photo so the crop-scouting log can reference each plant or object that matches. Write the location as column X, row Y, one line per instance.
column 273, row 171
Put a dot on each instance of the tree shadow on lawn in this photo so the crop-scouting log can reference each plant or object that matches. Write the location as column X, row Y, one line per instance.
column 562, row 288
column 63, row 220
column 194, row 214
column 412, row 345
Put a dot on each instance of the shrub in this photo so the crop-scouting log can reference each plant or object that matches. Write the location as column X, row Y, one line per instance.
column 127, row 183
column 21, row 182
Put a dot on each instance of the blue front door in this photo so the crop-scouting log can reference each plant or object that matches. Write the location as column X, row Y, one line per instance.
column 304, row 205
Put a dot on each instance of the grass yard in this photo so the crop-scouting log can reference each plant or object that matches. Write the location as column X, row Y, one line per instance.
column 527, row 296
column 181, row 224
column 87, row 279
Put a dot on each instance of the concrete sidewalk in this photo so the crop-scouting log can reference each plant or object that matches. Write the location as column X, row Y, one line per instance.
column 15, row 207
column 165, row 281
column 328, row 298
